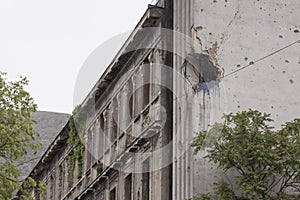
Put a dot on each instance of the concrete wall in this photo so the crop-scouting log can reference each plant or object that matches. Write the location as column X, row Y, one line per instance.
column 255, row 45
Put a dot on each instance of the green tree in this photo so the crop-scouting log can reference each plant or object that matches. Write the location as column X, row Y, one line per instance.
column 267, row 161
column 16, row 133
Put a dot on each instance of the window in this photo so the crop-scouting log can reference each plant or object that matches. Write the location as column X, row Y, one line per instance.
column 146, row 86
column 138, row 92
column 101, row 138
column 142, row 87
column 130, row 98
column 87, row 151
column 146, row 180
column 61, row 179
column 128, row 187
column 68, row 171
column 125, row 106
column 112, row 194
column 114, row 121
column 52, row 186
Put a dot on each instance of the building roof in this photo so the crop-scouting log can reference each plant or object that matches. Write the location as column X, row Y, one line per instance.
column 49, row 125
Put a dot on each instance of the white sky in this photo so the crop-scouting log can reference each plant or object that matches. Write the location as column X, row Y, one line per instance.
column 48, row 41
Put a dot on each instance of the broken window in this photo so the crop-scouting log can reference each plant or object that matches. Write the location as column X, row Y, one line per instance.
column 138, row 92
column 100, row 195
column 126, row 105
column 52, row 186
column 112, row 194
column 114, row 120
column 142, row 88
column 61, row 180
column 123, row 108
column 96, row 140
column 100, row 145
column 69, row 166
column 130, row 98
column 94, row 143
column 106, row 130
column 66, row 174
column 128, row 187
column 146, row 180
column 88, row 143
column 146, row 83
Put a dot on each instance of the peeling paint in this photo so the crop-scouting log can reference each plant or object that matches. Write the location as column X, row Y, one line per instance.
column 211, row 52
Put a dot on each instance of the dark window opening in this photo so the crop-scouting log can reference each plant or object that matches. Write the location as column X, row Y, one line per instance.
column 146, row 180
column 130, row 99
column 138, row 94
column 112, row 194
column 101, row 136
column 52, row 185
column 87, row 150
column 100, row 195
column 146, row 86
column 114, row 119
column 101, row 119
column 70, row 175
column 61, row 179
column 128, row 187
column 114, row 130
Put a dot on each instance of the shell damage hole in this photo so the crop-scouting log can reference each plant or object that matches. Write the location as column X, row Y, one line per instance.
column 201, row 73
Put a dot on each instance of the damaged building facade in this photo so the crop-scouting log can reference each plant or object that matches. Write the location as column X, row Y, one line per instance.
column 186, row 63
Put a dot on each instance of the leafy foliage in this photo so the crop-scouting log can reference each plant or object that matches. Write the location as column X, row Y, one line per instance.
column 30, row 184
column 266, row 160
column 79, row 148
column 16, row 132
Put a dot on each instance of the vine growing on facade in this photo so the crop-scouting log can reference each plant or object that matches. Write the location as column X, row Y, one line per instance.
column 74, row 140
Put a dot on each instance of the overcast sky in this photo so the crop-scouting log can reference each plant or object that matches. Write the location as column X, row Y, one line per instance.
column 48, row 41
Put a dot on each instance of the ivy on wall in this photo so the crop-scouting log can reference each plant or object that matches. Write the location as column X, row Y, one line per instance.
column 77, row 153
